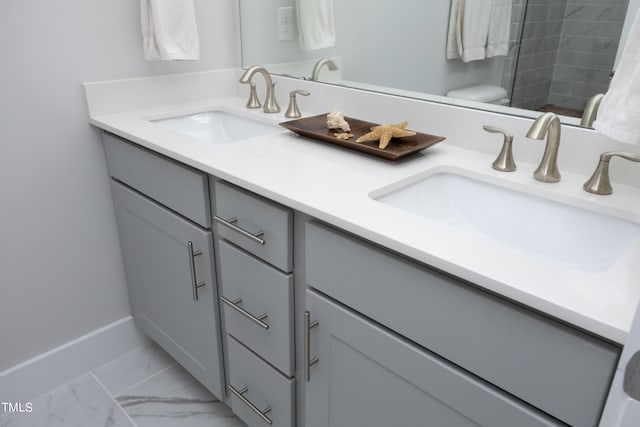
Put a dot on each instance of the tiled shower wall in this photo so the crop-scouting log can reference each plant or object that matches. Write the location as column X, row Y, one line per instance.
column 517, row 20
column 590, row 37
column 567, row 51
column 538, row 52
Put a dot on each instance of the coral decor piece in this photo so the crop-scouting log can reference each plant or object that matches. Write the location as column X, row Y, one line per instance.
column 384, row 133
column 343, row 136
column 335, row 120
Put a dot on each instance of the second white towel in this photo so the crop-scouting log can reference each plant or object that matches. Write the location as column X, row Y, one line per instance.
column 169, row 30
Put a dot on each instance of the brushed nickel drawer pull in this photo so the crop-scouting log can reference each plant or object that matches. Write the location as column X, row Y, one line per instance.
column 195, row 285
column 308, row 362
column 231, row 223
column 262, row 414
column 258, row 320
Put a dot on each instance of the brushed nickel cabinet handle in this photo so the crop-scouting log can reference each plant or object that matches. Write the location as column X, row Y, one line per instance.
column 308, row 362
column 262, row 414
column 258, row 320
column 231, row 223
column 195, row 285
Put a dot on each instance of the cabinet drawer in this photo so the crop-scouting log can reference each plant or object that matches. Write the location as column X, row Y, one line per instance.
column 265, row 388
column 240, row 214
column 264, row 291
column 556, row 368
column 177, row 186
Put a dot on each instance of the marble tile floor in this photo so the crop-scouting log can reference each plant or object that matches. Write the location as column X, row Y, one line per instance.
column 143, row 388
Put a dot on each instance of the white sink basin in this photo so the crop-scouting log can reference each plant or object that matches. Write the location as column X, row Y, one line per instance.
column 218, row 126
column 588, row 240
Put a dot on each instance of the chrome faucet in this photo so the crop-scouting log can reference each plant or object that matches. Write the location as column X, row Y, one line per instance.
column 316, row 69
column 270, row 103
column 599, row 182
column 547, row 124
column 591, row 111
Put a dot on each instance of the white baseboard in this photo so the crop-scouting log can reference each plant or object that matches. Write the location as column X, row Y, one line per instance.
column 60, row 365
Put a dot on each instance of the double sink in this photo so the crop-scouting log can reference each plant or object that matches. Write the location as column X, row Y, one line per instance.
column 573, row 232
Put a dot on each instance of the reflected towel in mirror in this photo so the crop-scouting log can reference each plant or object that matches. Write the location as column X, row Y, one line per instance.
column 316, row 27
column 478, row 29
column 468, row 29
column 619, row 113
column 499, row 28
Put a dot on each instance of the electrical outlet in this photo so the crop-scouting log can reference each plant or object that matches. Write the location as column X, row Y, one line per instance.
column 285, row 23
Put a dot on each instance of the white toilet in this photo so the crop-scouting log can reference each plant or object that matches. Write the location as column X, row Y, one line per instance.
column 481, row 93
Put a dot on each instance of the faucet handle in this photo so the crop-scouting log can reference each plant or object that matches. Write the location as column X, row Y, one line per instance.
column 504, row 162
column 293, row 111
column 599, row 182
column 254, row 101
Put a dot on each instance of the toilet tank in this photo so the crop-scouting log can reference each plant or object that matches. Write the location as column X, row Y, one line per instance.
column 481, row 93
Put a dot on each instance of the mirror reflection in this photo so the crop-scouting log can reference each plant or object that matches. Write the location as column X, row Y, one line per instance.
column 552, row 55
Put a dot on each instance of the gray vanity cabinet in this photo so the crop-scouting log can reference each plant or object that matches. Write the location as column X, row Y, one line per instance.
column 366, row 376
column 168, row 261
column 396, row 342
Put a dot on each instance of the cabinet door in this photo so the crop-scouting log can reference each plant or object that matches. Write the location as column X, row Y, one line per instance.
column 366, row 376
column 158, row 267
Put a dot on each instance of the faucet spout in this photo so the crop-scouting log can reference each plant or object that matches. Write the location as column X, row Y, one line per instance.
column 547, row 125
column 270, row 103
column 321, row 63
column 591, row 111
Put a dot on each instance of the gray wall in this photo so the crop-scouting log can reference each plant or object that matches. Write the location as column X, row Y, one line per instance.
column 61, row 274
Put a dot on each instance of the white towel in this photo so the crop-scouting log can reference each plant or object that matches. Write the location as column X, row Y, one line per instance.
column 452, row 39
column 619, row 112
column 169, row 30
column 316, row 28
column 468, row 29
column 499, row 28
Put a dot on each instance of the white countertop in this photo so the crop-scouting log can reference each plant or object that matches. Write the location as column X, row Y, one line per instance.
column 333, row 184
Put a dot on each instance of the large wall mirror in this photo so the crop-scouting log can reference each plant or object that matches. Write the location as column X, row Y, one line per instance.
column 559, row 52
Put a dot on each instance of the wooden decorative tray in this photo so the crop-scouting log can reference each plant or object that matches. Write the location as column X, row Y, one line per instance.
column 316, row 127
